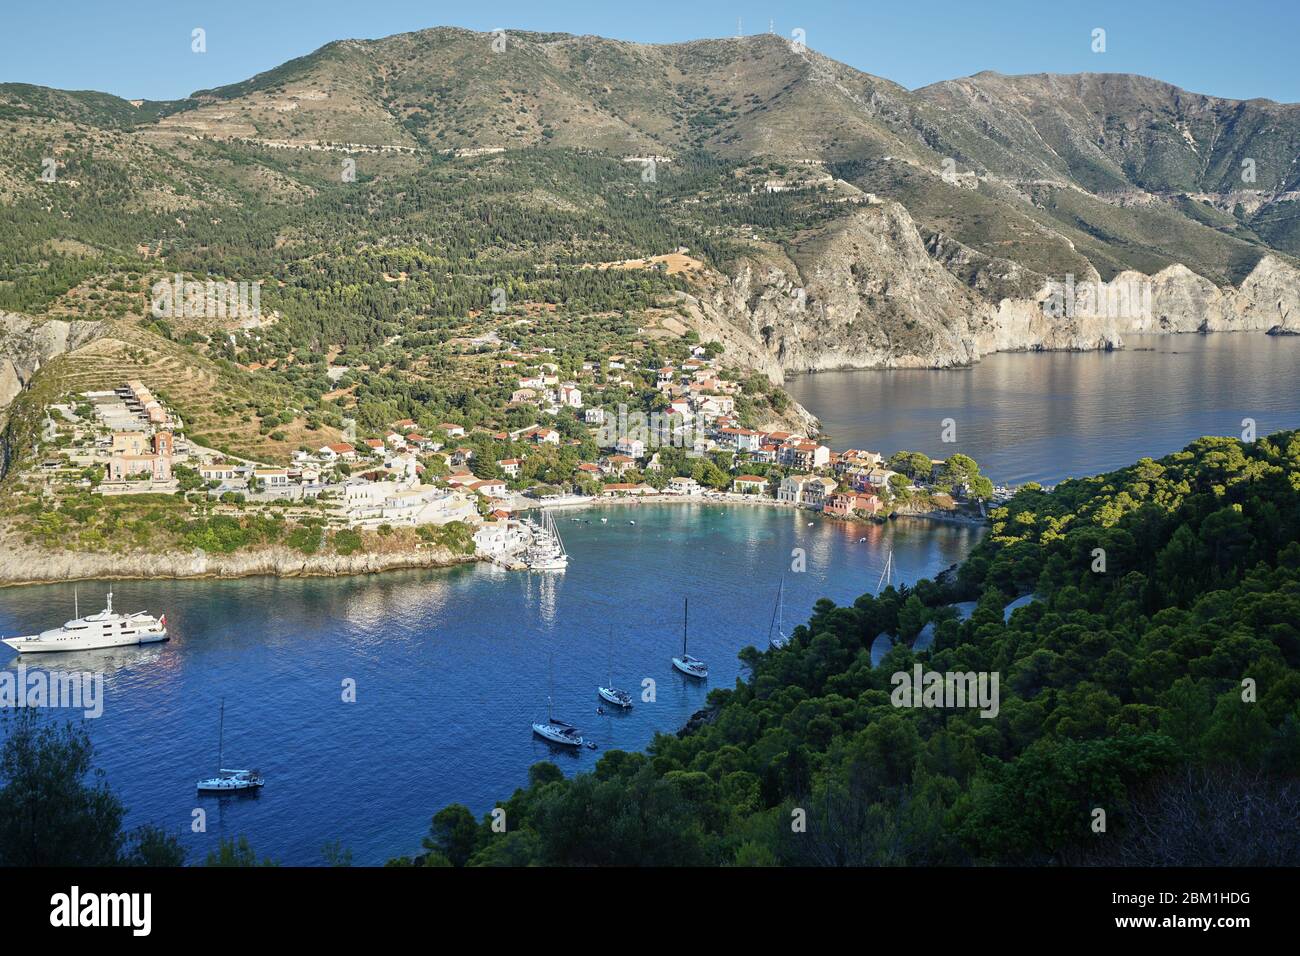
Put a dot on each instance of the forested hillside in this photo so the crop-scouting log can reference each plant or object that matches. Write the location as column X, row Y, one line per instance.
column 382, row 191
column 1155, row 678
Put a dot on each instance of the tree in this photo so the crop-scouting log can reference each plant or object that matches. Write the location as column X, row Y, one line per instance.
column 235, row 853
column 149, row 845
column 55, row 810
column 960, row 469
column 912, row 463
column 981, row 488
column 453, row 833
column 911, row 617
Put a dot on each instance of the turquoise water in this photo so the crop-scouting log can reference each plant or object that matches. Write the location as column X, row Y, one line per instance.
column 450, row 667
column 1044, row 416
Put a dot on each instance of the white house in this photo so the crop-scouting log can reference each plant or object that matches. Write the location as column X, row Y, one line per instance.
column 684, row 486
column 793, row 488
column 632, row 447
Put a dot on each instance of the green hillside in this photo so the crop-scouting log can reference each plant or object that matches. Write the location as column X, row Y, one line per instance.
column 1163, row 690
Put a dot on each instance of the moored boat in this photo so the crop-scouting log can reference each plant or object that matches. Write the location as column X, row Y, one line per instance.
column 609, row 693
column 690, row 666
column 227, row 780
column 95, row 632
column 546, row 553
column 557, row 731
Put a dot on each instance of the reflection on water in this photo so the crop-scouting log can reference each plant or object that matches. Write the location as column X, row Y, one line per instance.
column 1044, row 416
column 451, row 668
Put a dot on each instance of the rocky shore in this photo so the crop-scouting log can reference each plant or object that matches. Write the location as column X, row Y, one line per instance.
column 20, row 564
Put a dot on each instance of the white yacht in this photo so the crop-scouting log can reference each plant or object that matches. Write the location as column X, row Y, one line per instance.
column 609, row 693
column 557, row 731
column 228, row 780
column 619, row 698
column 96, row 631
column 690, row 666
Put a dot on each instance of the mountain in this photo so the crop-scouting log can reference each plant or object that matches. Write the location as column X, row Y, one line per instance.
column 837, row 218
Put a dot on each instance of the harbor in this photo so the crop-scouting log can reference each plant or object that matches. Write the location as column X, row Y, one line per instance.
column 433, row 649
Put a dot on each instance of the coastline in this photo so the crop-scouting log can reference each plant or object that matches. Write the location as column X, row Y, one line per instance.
column 18, row 564
column 21, row 565
column 757, row 502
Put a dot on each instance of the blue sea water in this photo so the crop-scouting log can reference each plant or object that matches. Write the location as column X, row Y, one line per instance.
column 1045, row 416
column 451, row 667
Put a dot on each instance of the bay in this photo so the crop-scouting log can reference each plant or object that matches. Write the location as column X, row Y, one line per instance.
column 451, row 667
column 1045, row 416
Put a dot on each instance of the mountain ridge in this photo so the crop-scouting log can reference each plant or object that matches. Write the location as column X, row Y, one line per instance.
column 944, row 214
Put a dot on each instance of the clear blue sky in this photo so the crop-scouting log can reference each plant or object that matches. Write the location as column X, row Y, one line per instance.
column 141, row 48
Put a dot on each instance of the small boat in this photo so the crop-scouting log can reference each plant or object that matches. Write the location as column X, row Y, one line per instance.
column 553, row 729
column 690, row 666
column 631, row 522
column 604, row 521
column 557, row 731
column 226, row 780
column 619, row 698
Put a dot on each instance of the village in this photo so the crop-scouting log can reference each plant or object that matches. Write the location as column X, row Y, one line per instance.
column 693, row 445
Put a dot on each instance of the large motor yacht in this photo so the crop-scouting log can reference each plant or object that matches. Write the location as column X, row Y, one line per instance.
column 95, row 631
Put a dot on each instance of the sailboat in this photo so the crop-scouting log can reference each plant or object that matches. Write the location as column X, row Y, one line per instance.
column 547, row 550
column 229, row 780
column 557, row 731
column 690, row 666
column 887, row 575
column 610, row 693
column 777, row 623
column 553, row 729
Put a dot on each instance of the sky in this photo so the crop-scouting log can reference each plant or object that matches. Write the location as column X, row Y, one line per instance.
column 142, row 48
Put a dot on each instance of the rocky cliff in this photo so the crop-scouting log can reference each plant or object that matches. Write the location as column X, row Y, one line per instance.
column 26, row 344
column 872, row 292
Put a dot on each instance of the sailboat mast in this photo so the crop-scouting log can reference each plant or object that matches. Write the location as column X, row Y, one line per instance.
column 775, row 610
column 221, row 735
column 685, row 617
column 887, row 575
column 780, row 608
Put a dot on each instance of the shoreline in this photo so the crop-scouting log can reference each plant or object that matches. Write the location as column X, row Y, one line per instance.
column 757, row 502
column 74, row 566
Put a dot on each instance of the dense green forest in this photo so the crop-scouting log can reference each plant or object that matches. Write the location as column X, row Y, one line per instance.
column 1149, row 704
